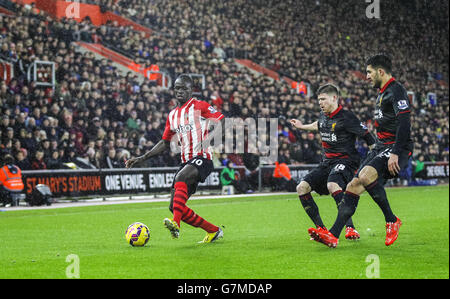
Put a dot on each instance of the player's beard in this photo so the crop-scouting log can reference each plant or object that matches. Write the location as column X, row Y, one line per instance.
column 377, row 82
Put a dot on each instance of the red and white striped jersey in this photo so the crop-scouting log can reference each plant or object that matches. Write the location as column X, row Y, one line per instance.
column 190, row 123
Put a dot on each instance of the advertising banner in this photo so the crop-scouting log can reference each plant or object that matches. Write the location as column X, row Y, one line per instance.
column 76, row 183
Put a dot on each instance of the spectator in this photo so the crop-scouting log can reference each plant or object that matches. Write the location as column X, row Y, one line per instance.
column 228, row 176
column 112, row 160
column 22, row 160
column 295, row 47
column 38, row 162
column 54, row 161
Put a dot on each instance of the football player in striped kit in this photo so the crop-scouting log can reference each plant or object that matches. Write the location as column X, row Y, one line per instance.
column 187, row 125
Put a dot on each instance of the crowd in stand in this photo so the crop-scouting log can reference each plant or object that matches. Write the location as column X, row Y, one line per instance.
column 98, row 117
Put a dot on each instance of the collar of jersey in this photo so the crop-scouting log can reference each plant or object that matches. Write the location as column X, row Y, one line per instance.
column 387, row 84
column 187, row 103
column 330, row 115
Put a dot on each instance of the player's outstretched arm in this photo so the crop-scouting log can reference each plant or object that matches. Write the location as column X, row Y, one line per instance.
column 299, row 125
column 160, row 147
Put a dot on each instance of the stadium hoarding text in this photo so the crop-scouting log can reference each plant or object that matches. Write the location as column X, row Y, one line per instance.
column 99, row 182
column 102, row 182
column 435, row 170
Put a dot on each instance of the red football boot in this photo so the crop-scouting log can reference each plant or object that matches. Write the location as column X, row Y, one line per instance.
column 323, row 236
column 392, row 229
column 317, row 228
column 351, row 234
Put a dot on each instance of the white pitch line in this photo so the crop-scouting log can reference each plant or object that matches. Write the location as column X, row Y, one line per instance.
column 126, row 200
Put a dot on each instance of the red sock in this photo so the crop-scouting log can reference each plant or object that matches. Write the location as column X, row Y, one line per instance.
column 195, row 220
column 179, row 201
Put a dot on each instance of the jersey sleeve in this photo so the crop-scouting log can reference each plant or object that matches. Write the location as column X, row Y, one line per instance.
column 168, row 132
column 209, row 112
column 400, row 101
column 402, row 109
column 355, row 126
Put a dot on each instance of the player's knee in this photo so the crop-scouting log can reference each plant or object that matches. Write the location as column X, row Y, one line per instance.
column 181, row 177
column 333, row 187
column 354, row 183
column 303, row 188
column 365, row 180
column 367, row 176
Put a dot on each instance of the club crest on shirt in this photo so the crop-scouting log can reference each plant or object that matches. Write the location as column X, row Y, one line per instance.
column 212, row 109
column 403, row 104
column 363, row 126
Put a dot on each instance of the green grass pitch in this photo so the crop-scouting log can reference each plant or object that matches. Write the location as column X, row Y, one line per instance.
column 265, row 237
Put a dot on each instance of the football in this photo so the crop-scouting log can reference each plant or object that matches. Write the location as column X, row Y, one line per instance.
column 137, row 234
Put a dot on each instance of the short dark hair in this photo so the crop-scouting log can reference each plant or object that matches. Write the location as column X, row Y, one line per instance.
column 186, row 78
column 328, row 89
column 380, row 60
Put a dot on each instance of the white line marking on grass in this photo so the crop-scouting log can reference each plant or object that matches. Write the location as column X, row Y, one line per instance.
column 126, row 200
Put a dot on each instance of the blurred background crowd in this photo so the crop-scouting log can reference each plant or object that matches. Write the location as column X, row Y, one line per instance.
column 98, row 116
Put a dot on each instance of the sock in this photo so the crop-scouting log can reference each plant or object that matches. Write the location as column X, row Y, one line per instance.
column 346, row 209
column 338, row 196
column 179, row 201
column 195, row 220
column 311, row 209
column 378, row 194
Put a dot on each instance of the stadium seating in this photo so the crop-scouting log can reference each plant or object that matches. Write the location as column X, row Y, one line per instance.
column 291, row 40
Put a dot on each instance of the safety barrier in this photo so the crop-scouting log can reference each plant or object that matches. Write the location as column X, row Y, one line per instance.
column 106, row 182
column 70, row 183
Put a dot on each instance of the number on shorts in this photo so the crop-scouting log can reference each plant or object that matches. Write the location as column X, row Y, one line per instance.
column 199, row 162
column 339, row 167
column 386, row 153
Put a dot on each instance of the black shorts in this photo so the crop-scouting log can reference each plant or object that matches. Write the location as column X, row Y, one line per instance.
column 340, row 172
column 204, row 167
column 378, row 159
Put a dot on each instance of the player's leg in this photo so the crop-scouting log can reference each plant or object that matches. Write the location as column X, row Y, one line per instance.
column 346, row 209
column 185, row 184
column 172, row 193
column 350, row 199
column 341, row 174
column 337, row 193
column 313, row 181
column 308, row 203
column 375, row 175
column 369, row 179
column 375, row 188
column 347, row 206
column 176, row 206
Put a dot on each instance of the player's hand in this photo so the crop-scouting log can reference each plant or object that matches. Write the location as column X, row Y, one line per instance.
column 133, row 161
column 393, row 166
column 296, row 123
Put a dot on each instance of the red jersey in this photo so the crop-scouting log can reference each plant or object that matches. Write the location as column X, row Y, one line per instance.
column 190, row 123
